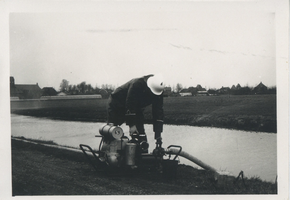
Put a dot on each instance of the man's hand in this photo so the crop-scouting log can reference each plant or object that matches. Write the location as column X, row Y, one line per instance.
column 133, row 130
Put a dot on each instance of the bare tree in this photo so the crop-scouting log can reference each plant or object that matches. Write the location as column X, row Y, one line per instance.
column 64, row 85
column 107, row 87
column 178, row 87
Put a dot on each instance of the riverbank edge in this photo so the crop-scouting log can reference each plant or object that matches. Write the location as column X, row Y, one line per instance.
column 243, row 186
column 243, row 123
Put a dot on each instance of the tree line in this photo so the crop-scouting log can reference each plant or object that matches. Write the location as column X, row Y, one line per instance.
column 84, row 88
column 105, row 89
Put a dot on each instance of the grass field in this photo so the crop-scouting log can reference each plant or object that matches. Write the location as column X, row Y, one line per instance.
column 255, row 112
column 243, row 112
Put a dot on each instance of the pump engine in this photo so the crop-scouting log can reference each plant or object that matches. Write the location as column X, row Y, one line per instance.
column 118, row 151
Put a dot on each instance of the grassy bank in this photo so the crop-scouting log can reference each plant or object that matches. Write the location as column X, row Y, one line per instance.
column 244, row 112
column 42, row 170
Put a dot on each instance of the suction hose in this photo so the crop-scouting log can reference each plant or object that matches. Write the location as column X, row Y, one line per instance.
column 191, row 158
column 222, row 177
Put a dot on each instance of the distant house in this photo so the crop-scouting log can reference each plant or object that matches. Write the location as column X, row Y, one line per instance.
column 185, row 92
column 14, row 92
column 193, row 90
column 24, row 91
column 260, row 89
column 202, row 93
column 49, row 91
column 61, row 94
column 237, row 87
column 167, row 91
column 224, row 90
column 212, row 92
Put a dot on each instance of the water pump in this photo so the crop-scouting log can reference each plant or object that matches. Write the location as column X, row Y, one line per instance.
column 117, row 151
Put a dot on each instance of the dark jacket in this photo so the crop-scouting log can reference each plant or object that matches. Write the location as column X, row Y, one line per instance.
column 134, row 96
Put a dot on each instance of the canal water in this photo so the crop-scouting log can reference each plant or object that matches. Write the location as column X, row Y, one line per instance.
column 254, row 153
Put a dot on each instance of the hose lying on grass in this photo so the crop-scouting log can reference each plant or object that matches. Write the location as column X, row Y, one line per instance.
column 220, row 176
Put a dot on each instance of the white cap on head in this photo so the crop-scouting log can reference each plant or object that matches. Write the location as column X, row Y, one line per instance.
column 156, row 84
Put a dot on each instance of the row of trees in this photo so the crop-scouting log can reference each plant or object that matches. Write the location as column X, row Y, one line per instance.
column 106, row 89
column 84, row 88
column 244, row 91
column 234, row 90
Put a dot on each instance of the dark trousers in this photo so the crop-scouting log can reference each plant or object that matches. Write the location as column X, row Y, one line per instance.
column 117, row 115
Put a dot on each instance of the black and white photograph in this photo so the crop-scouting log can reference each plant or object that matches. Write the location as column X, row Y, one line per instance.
column 187, row 99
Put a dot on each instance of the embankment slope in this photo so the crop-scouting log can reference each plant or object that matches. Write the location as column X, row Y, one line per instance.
column 43, row 170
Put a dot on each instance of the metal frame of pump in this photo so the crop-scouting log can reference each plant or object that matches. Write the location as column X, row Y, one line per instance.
column 116, row 151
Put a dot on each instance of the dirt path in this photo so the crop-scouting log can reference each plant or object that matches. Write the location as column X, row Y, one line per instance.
column 41, row 170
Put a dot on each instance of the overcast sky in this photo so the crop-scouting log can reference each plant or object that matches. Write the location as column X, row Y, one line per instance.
column 194, row 43
column 212, row 43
